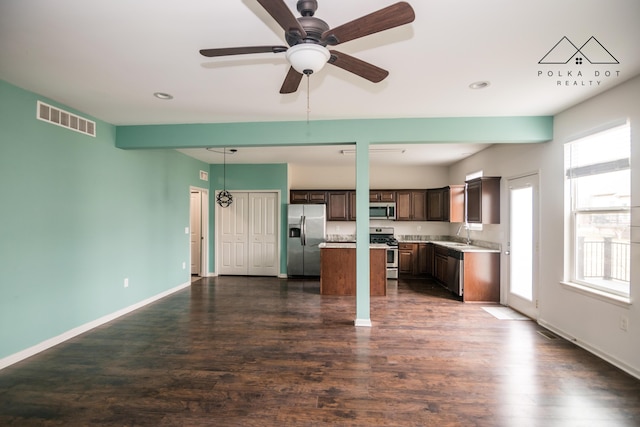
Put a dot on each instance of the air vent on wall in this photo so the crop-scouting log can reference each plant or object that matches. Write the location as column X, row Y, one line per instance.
column 51, row 114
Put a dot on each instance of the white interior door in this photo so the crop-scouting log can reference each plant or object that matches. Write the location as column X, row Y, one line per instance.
column 196, row 231
column 523, row 245
column 233, row 236
column 248, row 235
column 263, row 234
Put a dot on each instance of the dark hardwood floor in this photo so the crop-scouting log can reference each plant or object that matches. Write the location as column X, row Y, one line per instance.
column 238, row 351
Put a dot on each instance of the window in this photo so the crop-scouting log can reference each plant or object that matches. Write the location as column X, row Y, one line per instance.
column 598, row 175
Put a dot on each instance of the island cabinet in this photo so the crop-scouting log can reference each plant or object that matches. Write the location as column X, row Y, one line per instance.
column 338, row 271
column 411, row 205
column 483, row 200
column 446, row 204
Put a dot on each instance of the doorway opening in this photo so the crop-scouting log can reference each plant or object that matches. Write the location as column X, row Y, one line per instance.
column 198, row 225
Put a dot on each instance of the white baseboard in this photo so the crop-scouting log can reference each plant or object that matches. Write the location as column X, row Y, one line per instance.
column 44, row 345
column 607, row 357
column 363, row 322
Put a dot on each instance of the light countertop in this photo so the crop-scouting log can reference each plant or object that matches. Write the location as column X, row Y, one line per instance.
column 348, row 245
column 463, row 247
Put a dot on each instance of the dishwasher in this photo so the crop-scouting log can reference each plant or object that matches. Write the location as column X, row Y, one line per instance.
column 455, row 271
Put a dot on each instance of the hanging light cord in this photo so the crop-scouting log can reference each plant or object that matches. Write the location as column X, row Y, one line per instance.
column 308, row 102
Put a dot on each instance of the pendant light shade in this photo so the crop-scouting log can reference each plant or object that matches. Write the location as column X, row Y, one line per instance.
column 307, row 58
column 224, row 198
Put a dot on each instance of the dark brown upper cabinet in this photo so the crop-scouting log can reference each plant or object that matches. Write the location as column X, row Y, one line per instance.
column 483, row 200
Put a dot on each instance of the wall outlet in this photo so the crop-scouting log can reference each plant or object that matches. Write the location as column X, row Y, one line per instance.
column 184, row 265
column 186, row 230
column 624, row 323
column 126, row 282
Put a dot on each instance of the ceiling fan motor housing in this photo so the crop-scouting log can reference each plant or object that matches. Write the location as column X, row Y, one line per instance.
column 314, row 28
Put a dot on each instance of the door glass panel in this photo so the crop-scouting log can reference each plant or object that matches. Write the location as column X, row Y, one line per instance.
column 522, row 242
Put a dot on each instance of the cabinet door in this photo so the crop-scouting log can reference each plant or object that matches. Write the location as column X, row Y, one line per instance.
column 425, row 259
column 440, row 268
column 298, row 196
column 483, row 200
column 455, row 203
column 419, row 205
column 307, row 196
column 352, row 205
column 435, row 204
column 318, row 197
column 387, row 196
column 338, row 206
column 403, row 205
column 474, row 201
column 408, row 258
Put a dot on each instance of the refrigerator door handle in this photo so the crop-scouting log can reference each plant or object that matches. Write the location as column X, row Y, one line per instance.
column 303, row 229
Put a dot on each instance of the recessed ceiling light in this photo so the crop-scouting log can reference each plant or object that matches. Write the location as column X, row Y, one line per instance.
column 479, row 85
column 162, row 95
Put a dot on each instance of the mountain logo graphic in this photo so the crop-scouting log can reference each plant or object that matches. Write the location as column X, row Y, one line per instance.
column 565, row 51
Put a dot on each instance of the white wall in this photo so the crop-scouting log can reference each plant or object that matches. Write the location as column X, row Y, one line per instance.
column 592, row 322
column 382, row 178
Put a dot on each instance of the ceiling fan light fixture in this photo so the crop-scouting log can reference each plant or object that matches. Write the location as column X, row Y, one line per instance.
column 307, row 58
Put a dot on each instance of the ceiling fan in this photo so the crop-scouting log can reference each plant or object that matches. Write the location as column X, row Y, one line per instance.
column 308, row 36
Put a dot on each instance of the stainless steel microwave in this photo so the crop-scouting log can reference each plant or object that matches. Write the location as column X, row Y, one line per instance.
column 382, row 211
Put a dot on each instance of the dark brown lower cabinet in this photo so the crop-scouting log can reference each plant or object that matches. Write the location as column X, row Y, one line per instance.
column 407, row 258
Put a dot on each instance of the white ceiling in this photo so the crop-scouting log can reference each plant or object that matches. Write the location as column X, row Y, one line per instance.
column 107, row 58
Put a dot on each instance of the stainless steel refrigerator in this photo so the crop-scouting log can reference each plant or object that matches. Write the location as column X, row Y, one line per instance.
column 306, row 230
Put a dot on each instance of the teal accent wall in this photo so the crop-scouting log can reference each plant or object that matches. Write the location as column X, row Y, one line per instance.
column 272, row 177
column 77, row 216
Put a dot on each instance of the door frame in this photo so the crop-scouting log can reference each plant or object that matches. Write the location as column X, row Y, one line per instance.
column 533, row 310
column 217, row 224
column 204, row 229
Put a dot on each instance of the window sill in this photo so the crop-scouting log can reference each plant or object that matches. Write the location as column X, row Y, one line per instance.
column 594, row 293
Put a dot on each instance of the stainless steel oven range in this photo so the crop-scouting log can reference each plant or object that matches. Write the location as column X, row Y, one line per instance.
column 384, row 235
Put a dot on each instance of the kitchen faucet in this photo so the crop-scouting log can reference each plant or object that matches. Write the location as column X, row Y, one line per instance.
column 466, row 227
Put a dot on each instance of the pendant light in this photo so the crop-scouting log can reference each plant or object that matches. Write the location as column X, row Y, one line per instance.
column 224, row 198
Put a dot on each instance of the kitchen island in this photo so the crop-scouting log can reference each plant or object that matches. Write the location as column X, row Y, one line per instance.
column 338, row 269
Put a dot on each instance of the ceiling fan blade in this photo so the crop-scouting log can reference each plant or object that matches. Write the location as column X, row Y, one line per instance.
column 389, row 17
column 291, row 82
column 283, row 16
column 357, row 66
column 226, row 51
